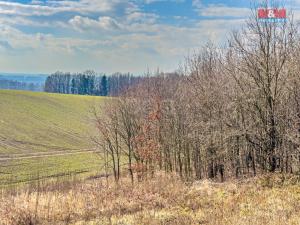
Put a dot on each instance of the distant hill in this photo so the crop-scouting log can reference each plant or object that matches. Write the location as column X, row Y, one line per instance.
column 28, row 82
column 26, row 78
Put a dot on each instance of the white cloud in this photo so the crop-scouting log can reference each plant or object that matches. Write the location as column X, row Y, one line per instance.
column 134, row 50
column 24, row 21
column 133, row 22
column 197, row 3
column 84, row 23
column 56, row 6
column 14, row 8
column 119, row 32
column 142, row 17
column 151, row 1
column 87, row 5
column 219, row 10
column 222, row 10
column 36, row 2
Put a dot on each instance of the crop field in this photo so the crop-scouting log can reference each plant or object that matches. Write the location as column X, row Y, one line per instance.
column 44, row 135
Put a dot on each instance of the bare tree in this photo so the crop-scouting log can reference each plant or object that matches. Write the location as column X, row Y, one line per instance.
column 258, row 61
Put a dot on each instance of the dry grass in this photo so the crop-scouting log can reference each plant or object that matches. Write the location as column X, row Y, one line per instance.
column 163, row 200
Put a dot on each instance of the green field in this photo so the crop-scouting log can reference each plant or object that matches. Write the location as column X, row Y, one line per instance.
column 45, row 134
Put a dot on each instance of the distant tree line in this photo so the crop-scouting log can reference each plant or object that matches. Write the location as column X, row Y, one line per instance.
column 89, row 83
column 17, row 85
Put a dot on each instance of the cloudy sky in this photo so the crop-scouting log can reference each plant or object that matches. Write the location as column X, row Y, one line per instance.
column 43, row 36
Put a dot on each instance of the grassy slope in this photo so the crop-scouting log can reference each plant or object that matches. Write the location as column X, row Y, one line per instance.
column 36, row 123
column 31, row 122
column 21, row 171
column 268, row 200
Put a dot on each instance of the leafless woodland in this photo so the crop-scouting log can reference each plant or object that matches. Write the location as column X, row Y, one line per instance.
column 230, row 111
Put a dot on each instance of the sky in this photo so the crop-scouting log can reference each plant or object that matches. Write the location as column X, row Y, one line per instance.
column 44, row 36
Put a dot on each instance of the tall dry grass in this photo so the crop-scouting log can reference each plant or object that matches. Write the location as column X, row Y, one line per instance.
column 271, row 199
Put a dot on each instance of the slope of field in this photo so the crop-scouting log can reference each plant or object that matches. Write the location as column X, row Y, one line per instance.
column 36, row 122
column 37, row 127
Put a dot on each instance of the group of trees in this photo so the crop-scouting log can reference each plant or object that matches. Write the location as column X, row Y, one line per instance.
column 88, row 83
column 231, row 111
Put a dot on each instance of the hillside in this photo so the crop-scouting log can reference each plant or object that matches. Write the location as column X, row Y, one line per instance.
column 26, row 78
column 268, row 199
column 33, row 125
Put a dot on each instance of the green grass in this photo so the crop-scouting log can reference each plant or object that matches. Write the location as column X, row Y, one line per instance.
column 42, row 123
column 35, row 122
column 29, row 170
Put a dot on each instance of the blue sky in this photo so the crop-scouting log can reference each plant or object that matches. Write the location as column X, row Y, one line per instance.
column 43, row 36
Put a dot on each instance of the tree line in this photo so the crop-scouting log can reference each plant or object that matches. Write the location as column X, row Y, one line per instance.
column 228, row 112
column 89, row 83
column 17, row 85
